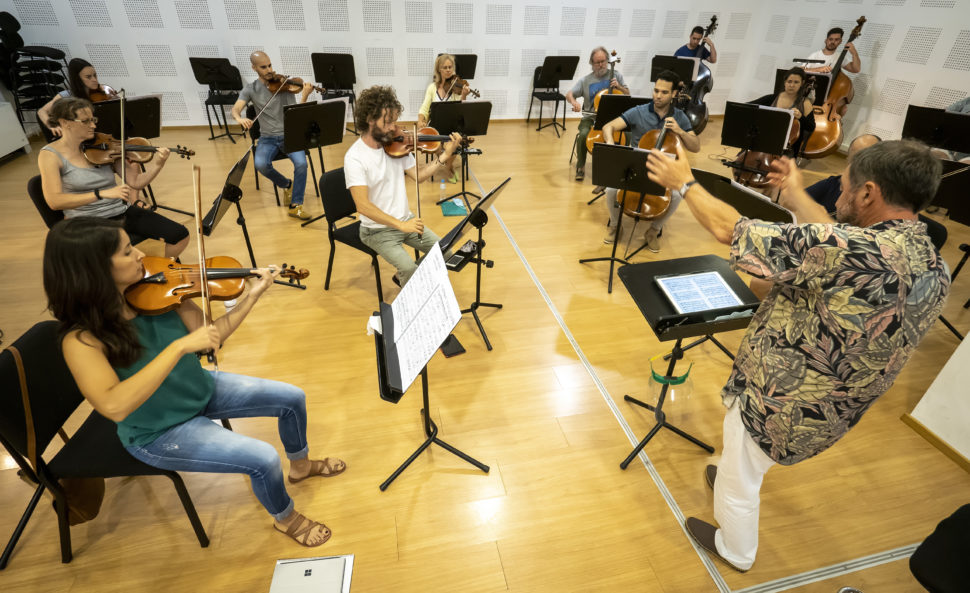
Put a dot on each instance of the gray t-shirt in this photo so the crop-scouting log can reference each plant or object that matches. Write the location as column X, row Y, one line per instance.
column 587, row 87
column 271, row 121
column 81, row 180
column 642, row 118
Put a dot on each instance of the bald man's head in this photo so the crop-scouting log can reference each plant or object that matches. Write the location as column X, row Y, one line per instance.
column 256, row 57
column 863, row 141
column 261, row 65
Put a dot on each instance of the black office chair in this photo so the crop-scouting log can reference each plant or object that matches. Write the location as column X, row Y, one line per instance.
column 339, row 204
column 938, row 234
column 93, row 451
column 547, row 94
column 36, row 192
column 254, row 135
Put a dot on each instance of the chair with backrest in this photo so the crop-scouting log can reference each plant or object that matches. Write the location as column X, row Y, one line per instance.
column 545, row 95
column 36, row 192
column 938, row 235
column 337, row 205
column 254, row 135
column 94, row 451
column 222, row 95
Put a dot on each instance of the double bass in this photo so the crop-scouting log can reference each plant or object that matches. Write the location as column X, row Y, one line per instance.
column 692, row 102
column 828, row 118
column 595, row 136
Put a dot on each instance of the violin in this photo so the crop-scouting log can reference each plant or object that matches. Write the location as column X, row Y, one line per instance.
column 647, row 206
column 458, row 84
column 428, row 142
column 281, row 83
column 167, row 283
column 102, row 93
column 104, row 149
column 692, row 101
column 828, row 118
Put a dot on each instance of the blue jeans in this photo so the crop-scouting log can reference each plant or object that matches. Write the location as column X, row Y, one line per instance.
column 201, row 445
column 266, row 149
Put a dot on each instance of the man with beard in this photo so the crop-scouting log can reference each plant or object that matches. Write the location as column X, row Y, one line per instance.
column 657, row 114
column 695, row 47
column 847, row 305
column 376, row 182
column 586, row 88
column 828, row 55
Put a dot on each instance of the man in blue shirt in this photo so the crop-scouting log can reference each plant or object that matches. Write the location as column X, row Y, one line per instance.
column 657, row 114
column 695, row 47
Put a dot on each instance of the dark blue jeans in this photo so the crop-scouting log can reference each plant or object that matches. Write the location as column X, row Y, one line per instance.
column 201, row 445
column 266, row 149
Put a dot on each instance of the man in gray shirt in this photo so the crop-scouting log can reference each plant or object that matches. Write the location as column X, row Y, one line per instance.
column 270, row 113
column 586, row 88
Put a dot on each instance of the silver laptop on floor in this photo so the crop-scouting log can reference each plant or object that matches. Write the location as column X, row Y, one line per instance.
column 329, row 574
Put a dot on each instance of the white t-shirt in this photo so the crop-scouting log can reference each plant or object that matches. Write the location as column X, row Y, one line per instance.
column 829, row 60
column 383, row 176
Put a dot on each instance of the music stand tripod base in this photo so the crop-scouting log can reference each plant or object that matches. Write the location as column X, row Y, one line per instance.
column 431, row 432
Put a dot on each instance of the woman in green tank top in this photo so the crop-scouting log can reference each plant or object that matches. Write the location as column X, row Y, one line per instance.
column 142, row 372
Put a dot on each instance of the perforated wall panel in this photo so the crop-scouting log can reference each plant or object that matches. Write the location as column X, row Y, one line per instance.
column 418, row 17
column 608, row 22
column 894, row 96
column 890, row 2
column 203, row 51
column 959, row 57
column 193, row 14
column 535, row 20
column 242, row 14
column 499, row 99
column 634, row 64
column 498, row 19
column 173, row 106
column 107, row 59
column 380, row 61
column 496, row 62
column 421, row 61
column 334, row 15
column 35, row 13
column 241, row 55
column 777, row 28
column 766, row 68
column 156, row 60
column 641, row 23
column 415, row 98
column 941, row 97
column 530, row 59
column 675, row 24
column 937, row 3
column 377, row 16
column 727, row 64
column 918, row 44
column 460, row 17
column 295, row 61
column 143, row 13
column 288, row 15
column 573, row 21
column 91, row 13
column 738, row 25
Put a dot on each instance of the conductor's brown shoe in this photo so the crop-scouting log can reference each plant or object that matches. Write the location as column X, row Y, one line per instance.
column 710, row 474
column 703, row 532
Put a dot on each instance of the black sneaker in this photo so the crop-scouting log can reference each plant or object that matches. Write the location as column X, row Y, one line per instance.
column 580, row 173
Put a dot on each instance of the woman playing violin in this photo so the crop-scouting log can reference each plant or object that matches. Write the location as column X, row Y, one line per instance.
column 82, row 81
column 443, row 89
column 142, row 373
column 78, row 188
column 794, row 81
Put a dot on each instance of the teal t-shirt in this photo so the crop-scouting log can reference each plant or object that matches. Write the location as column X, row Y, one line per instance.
column 183, row 394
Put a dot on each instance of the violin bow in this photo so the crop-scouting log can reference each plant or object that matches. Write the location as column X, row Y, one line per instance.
column 204, row 275
column 417, row 171
column 121, row 133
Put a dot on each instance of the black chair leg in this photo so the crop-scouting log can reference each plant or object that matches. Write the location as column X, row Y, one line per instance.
column 225, row 424
column 326, row 284
column 63, row 526
column 18, row 531
column 189, row 508
column 377, row 275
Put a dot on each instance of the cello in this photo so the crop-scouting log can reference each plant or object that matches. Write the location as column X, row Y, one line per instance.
column 640, row 206
column 692, row 102
column 828, row 118
column 595, row 136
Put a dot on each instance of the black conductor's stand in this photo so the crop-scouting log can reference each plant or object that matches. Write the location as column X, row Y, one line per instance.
column 143, row 118
column 667, row 324
column 468, row 119
column 623, row 168
column 313, row 125
column 757, row 128
column 610, row 108
column 224, row 82
column 553, row 70
column 232, row 194
column 458, row 254
column 336, row 73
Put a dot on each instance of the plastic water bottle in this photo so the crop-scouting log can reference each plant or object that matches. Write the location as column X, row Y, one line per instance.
column 442, row 190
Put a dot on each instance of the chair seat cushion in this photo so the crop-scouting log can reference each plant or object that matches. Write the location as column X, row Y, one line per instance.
column 95, row 450
column 548, row 96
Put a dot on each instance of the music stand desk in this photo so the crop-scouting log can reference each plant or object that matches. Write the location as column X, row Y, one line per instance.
column 667, row 324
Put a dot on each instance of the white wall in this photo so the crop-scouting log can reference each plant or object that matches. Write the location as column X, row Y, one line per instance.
column 913, row 51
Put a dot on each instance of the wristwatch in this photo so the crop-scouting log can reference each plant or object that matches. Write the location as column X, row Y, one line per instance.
column 686, row 186
column 97, row 194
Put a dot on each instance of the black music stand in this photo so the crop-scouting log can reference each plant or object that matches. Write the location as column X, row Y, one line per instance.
column 685, row 68
column 667, row 324
column 553, row 70
column 468, row 118
column 313, row 125
column 143, row 117
column 465, row 65
column 391, row 382
column 938, row 128
column 755, row 127
column 623, row 168
column 232, row 194
column 610, row 108
column 336, row 73
column 473, row 251
column 224, row 82
column 822, row 81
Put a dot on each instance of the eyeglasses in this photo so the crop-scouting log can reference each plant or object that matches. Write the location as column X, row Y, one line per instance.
column 88, row 121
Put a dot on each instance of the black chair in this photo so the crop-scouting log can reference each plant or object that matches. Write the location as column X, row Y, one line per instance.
column 938, row 234
column 939, row 563
column 221, row 95
column 36, row 192
column 93, row 451
column 546, row 95
column 254, row 135
column 339, row 204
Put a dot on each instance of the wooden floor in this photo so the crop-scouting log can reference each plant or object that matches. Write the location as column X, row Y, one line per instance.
column 544, row 409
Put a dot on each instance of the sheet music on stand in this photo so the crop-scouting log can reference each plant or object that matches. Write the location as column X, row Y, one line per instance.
column 424, row 313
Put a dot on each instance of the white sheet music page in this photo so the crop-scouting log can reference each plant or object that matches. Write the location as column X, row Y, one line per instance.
column 424, row 312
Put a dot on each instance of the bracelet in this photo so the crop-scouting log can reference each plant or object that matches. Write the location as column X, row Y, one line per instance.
column 97, row 195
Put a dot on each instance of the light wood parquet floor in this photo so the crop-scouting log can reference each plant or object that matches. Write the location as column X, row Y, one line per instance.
column 555, row 513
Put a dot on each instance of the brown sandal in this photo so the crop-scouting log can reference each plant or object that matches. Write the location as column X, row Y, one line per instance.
column 326, row 467
column 300, row 529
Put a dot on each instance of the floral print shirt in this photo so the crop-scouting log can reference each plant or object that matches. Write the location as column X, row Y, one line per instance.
column 846, row 310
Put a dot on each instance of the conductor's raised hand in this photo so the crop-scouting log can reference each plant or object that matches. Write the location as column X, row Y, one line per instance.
column 413, row 225
column 785, row 175
column 669, row 172
column 266, row 277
